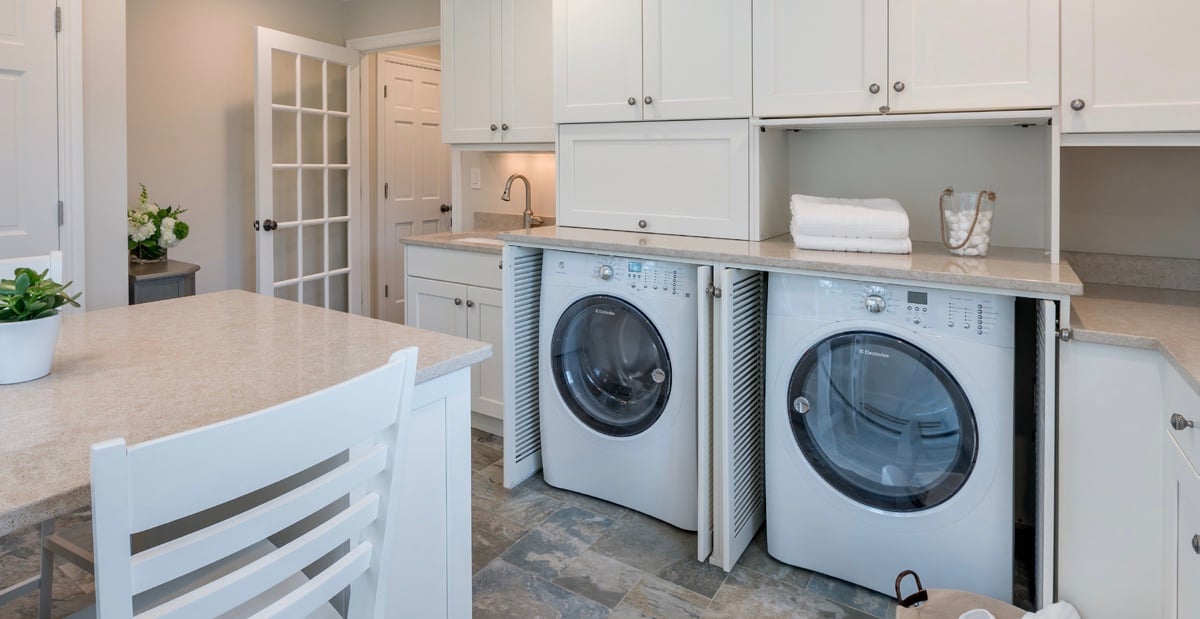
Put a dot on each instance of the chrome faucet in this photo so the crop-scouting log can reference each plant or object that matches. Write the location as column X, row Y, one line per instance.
column 530, row 219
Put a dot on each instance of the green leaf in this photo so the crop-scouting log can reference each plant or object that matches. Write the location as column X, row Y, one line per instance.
column 22, row 283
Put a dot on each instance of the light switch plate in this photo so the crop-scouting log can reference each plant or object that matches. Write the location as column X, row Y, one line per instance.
column 476, row 183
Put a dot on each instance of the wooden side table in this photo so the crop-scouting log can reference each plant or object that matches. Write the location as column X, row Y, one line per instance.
column 161, row 280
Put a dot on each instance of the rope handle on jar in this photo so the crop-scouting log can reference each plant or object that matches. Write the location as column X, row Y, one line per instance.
column 949, row 192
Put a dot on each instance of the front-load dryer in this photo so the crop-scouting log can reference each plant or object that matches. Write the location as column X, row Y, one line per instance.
column 889, row 432
column 618, row 381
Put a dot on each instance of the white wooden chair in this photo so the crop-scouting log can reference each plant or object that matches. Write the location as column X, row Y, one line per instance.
column 230, row 569
column 52, row 261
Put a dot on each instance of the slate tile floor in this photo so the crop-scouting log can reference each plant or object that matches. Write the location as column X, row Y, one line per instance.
column 541, row 552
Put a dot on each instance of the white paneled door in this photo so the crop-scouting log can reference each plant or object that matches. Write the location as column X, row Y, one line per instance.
column 306, row 178
column 597, row 60
column 28, row 129
column 414, row 168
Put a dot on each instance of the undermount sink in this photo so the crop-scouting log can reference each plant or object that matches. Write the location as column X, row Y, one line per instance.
column 482, row 240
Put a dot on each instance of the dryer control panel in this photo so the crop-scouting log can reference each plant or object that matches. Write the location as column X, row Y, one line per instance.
column 643, row 278
column 981, row 317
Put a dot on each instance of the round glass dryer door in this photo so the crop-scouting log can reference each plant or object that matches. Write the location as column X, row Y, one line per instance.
column 882, row 421
column 610, row 365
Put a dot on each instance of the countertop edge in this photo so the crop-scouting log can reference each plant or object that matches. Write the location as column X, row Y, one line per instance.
column 448, row 366
column 453, row 244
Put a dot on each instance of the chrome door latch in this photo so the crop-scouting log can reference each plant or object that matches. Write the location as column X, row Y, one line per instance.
column 713, row 291
column 1064, row 334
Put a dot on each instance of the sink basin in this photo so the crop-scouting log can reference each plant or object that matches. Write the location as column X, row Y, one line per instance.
column 481, row 240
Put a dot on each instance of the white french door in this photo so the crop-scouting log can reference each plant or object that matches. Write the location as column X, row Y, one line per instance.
column 28, row 129
column 415, row 167
column 307, row 237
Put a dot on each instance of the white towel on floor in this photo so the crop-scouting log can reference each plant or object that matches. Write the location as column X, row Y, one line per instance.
column 876, row 218
column 832, row 243
column 1057, row 610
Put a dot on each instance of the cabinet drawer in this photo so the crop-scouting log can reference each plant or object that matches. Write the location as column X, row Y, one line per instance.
column 690, row 177
column 1185, row 553
column 465, row 267
column 1181, row 399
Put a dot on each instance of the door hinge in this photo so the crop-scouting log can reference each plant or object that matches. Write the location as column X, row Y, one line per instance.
column 385, row 291
column 58, row 19
column 61, row 215
column 385, row 191
column 713, row 291
column 385, row 91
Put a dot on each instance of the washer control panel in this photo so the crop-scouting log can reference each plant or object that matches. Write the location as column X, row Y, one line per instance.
column 644, row 278
column 963, row 315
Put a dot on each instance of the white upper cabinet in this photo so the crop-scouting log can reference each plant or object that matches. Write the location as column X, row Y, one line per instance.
column 622, row 60
column 820, row 57
column 1130, row 65
column 831, row 57
column 497, row 71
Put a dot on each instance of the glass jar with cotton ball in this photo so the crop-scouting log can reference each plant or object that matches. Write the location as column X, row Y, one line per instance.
column 967, row 221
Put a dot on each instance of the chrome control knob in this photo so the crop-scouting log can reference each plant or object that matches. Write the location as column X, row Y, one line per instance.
column 874, row 303
column 606, row 272
column 1181, row 423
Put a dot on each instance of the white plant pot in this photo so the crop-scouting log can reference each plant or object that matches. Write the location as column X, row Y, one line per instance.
column 28, row 348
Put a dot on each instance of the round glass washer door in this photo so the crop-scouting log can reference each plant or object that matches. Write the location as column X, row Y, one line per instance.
column 882, row 421
column 610, row 365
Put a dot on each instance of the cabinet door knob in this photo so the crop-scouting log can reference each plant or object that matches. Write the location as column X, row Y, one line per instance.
column 642, row 224
column 1078, row 104
column 1196, row 544
column 493, row 126
column 874, row 88
column 648, row 100
column 898, row 87
column 470, row 303
column 632, row 101
column 504, row 126
column 458, row 301
column 1181, row 423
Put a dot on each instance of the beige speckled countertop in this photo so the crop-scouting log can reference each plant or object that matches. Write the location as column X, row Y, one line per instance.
column 1011, row 269
column 1167, row 320
column 152, row 370
column 457, row 240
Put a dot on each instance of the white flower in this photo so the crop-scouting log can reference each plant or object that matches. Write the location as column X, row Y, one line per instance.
column 167, row 239
column 142, row 232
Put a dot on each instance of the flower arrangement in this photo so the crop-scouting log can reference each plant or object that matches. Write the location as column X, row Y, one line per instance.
column 153, row 229
column 30, row 295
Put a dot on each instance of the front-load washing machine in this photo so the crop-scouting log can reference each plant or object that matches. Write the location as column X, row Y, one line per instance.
column 618, row 381
column 889, row 432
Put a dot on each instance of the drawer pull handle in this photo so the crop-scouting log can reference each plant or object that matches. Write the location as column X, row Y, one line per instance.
column 1196, row 544
column 1181, row 423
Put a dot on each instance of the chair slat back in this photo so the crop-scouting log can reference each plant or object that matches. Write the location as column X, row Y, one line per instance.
column 158, row 482
column 52, row 262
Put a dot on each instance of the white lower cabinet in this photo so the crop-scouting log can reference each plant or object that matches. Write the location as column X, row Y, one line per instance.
column 1110, row 493
column 458, row 293
column 1182, row 523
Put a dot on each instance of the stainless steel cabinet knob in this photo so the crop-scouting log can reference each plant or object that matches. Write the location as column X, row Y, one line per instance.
column 874, row 88
column 898, row 87
column 1078, row 104
column 642, row 224
column 458, row 301
column 1181, row 423
column 470, row 303
column 1196, row 544
column 648, row 100
column 493, row 127
column 504, row 126
column 632, row 101
column 883, row 109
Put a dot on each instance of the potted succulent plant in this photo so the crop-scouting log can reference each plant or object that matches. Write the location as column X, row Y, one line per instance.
column 29, row 324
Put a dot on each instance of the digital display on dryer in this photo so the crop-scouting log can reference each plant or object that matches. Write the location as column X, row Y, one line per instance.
column 635, row 267
column 918, row 298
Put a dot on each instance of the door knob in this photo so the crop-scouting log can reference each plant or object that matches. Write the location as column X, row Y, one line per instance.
column 1078, row 104
column 269, row 225
column 1181, row 423
column 873, row 88
column 445, row 208
column 458, row 301
column 898, row 87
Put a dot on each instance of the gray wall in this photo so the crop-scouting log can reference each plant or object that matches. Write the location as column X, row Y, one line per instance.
column 365, row 18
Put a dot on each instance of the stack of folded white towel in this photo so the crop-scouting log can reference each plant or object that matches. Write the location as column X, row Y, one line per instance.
column 878, row 225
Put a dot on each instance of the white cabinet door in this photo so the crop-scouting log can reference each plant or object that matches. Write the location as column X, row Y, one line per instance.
column 597, row 60
column 695, row 59
column 953, row 55
column 820, row 57
column 1184, row 553
column 528, row 71
column 683, row 177
column 1110, row 472
column 471, row 71
column 485, row 322
column 1131, row 64
column 436, row 305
